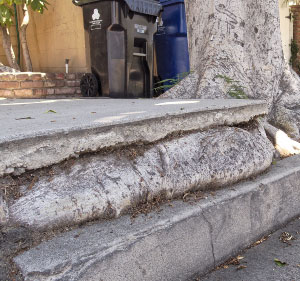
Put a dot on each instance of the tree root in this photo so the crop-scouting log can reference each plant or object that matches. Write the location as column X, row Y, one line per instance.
column 282, row 142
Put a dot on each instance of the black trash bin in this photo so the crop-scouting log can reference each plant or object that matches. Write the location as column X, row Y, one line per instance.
column 121, row 47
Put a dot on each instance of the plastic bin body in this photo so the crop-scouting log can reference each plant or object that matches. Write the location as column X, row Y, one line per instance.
column 121, row 46
column 171, row 41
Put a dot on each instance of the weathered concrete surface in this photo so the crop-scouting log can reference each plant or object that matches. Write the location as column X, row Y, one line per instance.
column 80, row 126
column 259, row 260
column 106, row 185
column 176, row 243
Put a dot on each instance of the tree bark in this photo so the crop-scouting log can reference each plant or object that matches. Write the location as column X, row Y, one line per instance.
column 241, row 40
column 23, row 38
column 8, row 48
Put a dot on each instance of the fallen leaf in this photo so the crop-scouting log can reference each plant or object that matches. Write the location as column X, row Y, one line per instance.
column 25, row 118
column 53, row 121
column 280, row 263
column 286, row 237
column 50, row 111
column 93, row 112
column 241, row 267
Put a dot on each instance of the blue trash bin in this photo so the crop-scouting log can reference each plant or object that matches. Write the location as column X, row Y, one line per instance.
column 171, row 41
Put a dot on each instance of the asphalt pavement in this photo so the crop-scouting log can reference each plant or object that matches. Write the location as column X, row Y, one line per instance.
column 275, row 259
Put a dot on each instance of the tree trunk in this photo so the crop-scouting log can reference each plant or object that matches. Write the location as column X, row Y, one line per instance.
column 8, row 48
column 241, row 40
column 23, row 28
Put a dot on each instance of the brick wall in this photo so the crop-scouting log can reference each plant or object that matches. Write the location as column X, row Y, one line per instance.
column 296, row 26
column 40, row 85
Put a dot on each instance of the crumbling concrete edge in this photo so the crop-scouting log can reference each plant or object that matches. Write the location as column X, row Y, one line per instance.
column 178, row 243
column 38, row 151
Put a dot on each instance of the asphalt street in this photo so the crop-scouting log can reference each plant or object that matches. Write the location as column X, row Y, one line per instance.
column 275, row 259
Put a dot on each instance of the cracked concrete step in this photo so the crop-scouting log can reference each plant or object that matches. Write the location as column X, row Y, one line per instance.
column 175, row 244
column 49, row 132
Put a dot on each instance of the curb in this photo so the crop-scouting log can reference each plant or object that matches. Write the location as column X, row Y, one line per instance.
column 176, row 243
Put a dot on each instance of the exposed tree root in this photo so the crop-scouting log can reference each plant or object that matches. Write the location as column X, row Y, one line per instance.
column 282, row 142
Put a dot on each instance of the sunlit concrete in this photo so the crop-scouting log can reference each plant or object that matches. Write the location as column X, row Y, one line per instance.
column 39, row 133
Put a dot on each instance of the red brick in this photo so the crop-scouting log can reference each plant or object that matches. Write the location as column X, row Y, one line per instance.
column 32, row 84
column 36, row 77
column 24, row 93
column 49, row 84
column 9, row 85
column 39, row 93
column 60, row 83
column 59, row 76
column 71, row 83
column 50, row 76
column 7, row 77
column 71, row 76
column 9, row 94
column 50, row 91
column 22, row 76
column 62, row 91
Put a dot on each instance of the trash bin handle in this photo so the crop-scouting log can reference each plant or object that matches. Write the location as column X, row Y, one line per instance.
column 140, row 55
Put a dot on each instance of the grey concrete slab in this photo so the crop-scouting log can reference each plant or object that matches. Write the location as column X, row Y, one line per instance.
column 175, row 244
column 260, row 263
column 39, row 133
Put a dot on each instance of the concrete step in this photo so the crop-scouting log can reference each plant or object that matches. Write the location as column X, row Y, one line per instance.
column 46, row 132
column 175, row 244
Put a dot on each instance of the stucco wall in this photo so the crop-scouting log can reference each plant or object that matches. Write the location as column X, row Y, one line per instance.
column 286, row 28
column 54, row 36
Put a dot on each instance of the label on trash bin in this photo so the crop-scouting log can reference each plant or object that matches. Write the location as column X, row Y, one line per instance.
column 140, row 28
column 161, row 29
column 96, row 22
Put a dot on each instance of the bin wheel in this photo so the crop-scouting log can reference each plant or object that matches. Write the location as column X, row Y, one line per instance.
column 89, row 85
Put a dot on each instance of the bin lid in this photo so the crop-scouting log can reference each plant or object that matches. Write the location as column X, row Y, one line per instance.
column 148, row 7
column 170, row 2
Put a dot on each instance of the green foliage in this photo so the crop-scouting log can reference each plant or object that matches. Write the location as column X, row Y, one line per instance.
column 167, row 84
column 280, row 263
column 7, row 13
column 234, row 88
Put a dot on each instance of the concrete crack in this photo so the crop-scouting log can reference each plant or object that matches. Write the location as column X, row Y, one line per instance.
column 211, row 237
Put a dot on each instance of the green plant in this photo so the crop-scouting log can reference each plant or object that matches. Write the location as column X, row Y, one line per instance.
column 233, row 87
column 167, row 84
column 7, row 13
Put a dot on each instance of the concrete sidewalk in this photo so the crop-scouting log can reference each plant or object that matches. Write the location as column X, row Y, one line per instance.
column 47, row 132
column 258, row 263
